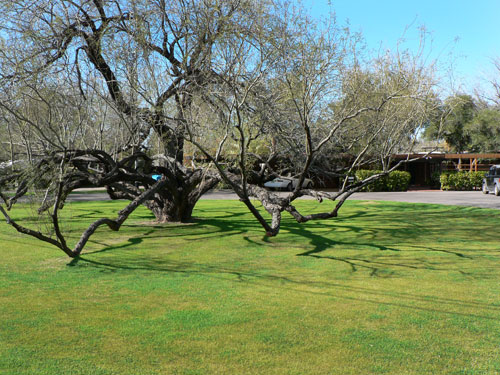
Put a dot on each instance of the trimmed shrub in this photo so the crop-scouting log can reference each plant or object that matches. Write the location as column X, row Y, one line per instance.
column 476, row 179
column 444, row 180
column 395, row 181
column 462, row 180
column 377, row 185
column 398, row 181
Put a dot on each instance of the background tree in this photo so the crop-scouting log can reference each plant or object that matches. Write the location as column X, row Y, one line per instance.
column 467, row 124
column 452, row 125
column 484, row 130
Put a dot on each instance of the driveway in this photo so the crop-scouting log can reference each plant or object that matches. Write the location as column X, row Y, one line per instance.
column 459, row 198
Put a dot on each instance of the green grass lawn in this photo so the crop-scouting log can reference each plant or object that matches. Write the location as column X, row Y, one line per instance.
column 386, row 288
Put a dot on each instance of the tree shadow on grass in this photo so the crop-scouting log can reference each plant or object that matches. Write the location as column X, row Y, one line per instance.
column 374, row 265
column 198, row 229
column 320, row 237
column 323, row 243
column 330, row 289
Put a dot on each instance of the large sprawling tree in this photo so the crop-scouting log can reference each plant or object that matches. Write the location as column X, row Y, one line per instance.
column 110, row 93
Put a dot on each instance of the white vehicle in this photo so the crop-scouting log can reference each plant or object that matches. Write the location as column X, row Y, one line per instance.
column 287, row 183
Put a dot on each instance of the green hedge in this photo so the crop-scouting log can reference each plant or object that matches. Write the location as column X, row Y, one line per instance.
column 462, row 180
column 395, row 181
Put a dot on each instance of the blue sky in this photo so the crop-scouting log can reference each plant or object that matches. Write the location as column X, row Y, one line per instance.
column 469, row 30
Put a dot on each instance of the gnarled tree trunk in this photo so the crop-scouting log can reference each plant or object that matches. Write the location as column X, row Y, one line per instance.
column 176, row 202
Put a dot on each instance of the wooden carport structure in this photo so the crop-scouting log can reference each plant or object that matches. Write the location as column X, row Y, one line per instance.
column 422, row 169
column 471, row 162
